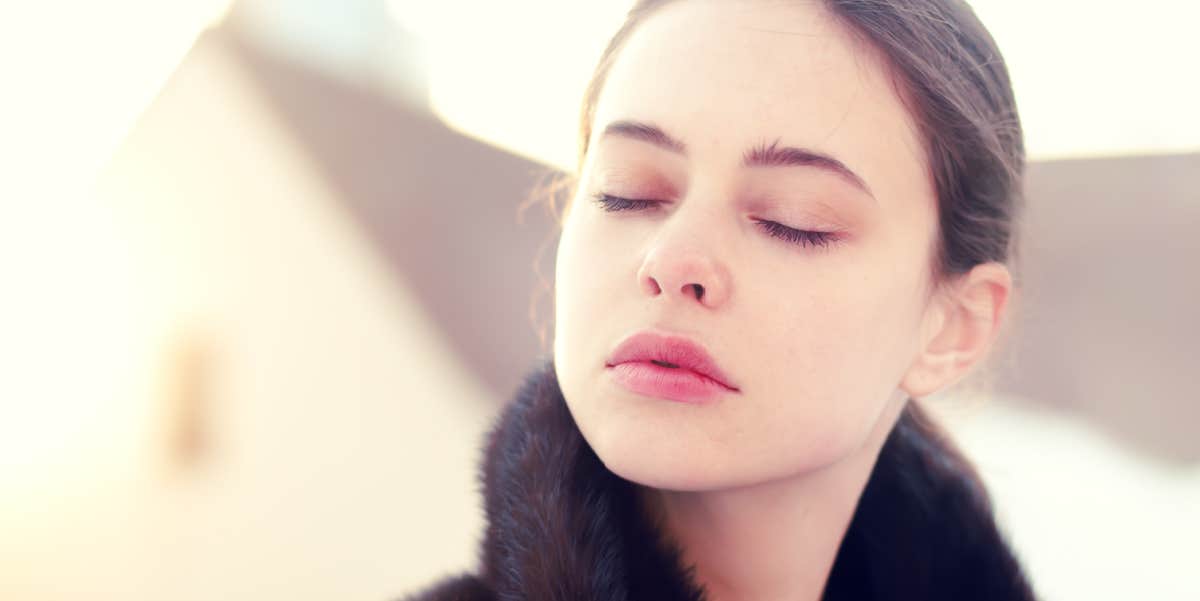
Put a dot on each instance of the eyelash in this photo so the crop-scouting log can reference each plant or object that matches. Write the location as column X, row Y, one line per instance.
column 778, row 230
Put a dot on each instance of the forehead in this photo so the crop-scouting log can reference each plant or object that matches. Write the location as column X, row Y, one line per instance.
column 724, row 76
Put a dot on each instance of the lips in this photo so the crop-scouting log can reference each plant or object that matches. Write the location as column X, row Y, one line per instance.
column 670, row 352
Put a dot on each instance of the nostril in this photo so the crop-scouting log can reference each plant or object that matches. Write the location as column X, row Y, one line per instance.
column 654, row 287
column 699, row 290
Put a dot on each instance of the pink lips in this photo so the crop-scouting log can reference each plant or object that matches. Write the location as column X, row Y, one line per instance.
column 669, row 367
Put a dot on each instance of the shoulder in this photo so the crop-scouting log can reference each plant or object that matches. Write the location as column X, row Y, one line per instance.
column 924, row 527
column 464, row 587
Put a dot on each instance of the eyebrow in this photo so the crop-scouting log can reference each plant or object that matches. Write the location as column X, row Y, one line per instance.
column 763, row 155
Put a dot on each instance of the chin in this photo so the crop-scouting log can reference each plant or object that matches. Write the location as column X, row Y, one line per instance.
column 662, row 475
column 643, row 458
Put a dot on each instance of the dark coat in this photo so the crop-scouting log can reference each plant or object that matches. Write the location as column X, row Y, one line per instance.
column 560, row 526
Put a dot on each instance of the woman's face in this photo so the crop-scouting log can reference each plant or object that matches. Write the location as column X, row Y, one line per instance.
column 815, row 331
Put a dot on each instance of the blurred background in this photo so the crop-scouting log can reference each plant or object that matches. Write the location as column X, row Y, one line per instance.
column 267, row 276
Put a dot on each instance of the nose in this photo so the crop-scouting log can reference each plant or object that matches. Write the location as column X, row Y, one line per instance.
column 685, row 270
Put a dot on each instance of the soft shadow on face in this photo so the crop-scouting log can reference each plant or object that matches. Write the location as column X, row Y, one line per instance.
column 788, row 183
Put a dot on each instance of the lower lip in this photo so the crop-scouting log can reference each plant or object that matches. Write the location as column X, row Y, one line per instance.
column 670, row 383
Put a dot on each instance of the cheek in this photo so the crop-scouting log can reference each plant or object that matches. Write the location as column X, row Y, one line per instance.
column 587, row 289
column 584, row 269
column 833, row 357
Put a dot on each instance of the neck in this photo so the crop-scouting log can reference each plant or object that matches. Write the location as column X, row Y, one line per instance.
column 770, row 540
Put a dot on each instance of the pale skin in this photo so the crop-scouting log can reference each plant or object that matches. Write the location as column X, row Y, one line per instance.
column 825, row 343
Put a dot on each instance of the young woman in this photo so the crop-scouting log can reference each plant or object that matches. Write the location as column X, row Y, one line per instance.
column 792, row 220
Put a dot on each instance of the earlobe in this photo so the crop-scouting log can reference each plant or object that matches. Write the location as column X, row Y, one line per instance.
column 959, row 329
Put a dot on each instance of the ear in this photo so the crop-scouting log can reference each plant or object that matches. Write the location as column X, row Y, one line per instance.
column 958, row 329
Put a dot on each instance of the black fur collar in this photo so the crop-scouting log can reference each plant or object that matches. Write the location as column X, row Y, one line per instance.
column 563, row 527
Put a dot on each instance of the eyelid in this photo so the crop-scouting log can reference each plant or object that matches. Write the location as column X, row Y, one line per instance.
column 804, row 238
column 613, row 203
column 790, row 235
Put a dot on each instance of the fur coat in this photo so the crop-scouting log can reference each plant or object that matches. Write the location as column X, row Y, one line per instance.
column 560, row 526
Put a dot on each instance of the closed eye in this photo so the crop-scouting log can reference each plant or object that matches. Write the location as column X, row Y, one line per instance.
column 795, row 236
column 616, row 203
column 791, row 235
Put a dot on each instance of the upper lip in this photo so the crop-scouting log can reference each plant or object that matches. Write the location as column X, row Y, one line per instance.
column 675, row 349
